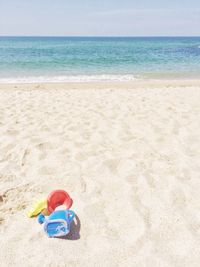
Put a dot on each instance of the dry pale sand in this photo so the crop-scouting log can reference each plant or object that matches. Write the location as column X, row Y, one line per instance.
column 128, row 154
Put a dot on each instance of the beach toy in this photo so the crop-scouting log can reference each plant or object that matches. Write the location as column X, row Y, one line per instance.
column 38, row 208
column 57, row 198
column 58, row 223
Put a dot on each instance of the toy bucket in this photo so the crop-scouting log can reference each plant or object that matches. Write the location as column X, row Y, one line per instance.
column 58, row 223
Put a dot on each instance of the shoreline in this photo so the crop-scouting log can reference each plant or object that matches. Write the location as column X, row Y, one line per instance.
column 103, row 78
column 103, row 85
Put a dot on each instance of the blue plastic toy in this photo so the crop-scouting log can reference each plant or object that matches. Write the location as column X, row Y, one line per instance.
column 58, row 223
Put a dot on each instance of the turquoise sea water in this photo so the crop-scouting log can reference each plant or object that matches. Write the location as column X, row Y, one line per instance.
column 97, row 58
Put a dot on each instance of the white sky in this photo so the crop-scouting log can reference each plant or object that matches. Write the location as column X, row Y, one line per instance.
column 100, row 17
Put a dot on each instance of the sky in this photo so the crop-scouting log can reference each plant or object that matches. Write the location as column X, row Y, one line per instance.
column 100, row 17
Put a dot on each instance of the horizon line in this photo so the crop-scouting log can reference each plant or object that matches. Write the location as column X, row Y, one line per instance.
column 104, row 36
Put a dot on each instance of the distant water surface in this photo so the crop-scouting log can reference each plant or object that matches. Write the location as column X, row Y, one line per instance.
column 97, row 58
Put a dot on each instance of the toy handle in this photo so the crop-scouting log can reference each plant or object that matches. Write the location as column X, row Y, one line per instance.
column 41, row 218
column 71, row 215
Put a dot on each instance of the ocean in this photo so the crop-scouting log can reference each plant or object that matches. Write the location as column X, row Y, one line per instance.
column 59, row 59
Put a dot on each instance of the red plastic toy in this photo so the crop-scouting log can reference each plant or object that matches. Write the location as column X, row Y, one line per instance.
column 57, row 198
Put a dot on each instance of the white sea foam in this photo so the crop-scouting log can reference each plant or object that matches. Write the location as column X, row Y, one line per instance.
column 75, row 78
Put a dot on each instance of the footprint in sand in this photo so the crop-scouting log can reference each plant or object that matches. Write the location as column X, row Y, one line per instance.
column 1, row 220
column 43, row 149
column 112, row 165
column 7, row 178
column 42, row 156
column 178, row 198
column 46, row 171
column 45, row 146
column 1, row 199
column 26, row 153
column 16, row 199
column 6, row 152
column 12, row 132
column 8, row 147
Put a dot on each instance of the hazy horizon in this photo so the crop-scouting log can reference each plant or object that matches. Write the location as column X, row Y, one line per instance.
column 99, row 36
column 100, row 18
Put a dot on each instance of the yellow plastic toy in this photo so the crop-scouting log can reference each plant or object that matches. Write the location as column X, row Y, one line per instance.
column 38, row 208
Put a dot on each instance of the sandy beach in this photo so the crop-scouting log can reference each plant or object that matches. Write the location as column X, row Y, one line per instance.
column 129, row 156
